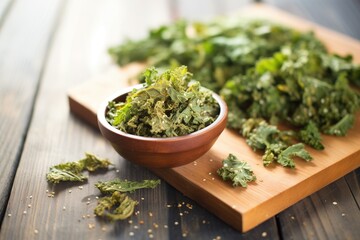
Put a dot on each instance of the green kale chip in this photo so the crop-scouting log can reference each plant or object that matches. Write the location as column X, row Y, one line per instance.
column 72, row 171
column 118, row 206
column 125, row 186
column 239, row 172
column 170, row 104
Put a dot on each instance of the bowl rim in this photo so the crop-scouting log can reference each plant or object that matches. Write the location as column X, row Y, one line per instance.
column 102, row 119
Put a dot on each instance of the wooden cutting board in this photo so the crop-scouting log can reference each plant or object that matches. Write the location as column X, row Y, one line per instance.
column 276, row 187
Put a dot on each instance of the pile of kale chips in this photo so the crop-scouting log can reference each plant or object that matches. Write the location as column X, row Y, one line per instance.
column 267, row 74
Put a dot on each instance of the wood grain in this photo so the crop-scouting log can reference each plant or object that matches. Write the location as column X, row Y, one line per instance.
column 246, row 209
column 20, row 69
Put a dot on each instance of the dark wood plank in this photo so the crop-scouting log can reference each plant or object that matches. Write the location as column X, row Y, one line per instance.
column 353, row 180
column 24, row 40
column 331, row 213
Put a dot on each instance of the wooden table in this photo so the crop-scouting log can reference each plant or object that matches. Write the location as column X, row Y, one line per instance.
column 47, row 47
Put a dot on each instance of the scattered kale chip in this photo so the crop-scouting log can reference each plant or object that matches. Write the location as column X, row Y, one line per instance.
column 72, row 171
column 239, row 172
column 125, row 186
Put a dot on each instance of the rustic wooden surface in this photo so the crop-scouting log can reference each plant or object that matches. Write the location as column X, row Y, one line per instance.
column 47, row 47
column 243, row 209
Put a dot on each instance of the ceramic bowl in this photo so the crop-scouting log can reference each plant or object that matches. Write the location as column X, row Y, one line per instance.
column 161, row 152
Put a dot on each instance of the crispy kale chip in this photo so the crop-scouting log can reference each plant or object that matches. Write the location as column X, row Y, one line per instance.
column 239, row 172
column 118, row 206
column 311, row 136
column 168, row 105
column 72, row 171
column 125, row 186
column 276, row 144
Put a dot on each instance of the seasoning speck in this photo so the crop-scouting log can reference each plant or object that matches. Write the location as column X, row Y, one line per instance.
column 29, row 206
column 165, row 226
column 36, row 231
column 343, row 214
column 30, row 196
column 70, row 191
column 151, row 236
column 81, row 187
column 91, row 225
column 136, row 227
column 131, row 234
column 142, row 199
column 9, row 215
column 184, row 234
column 150, row 214
column 176, row 223
column 334, row 203
column 204, row 179
column 211, row 160
column 64, row 208
column 264, row 234
column 117, row 171
column 24, row 212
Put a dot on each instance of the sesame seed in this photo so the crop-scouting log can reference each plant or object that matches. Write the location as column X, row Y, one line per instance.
column 155, row 225
column 168, row 205
column 81, row 187
column 179, row 205
column 176, row 223
column 203, row 221
column 64, row 208
column 53, row 193
column 149, row 230
column 343, row 214
column 96, row 197
column 103, row 229
column 292, row 217
column 117, row 170
column 47, row 191
column 87, row 203
column 150, row 214
column 213, row 178
column 264, row 234
column 130, row 221
column 136, row 227
column 189, row 206
column 88, row 216
column 29, row 206
column 165, row 226
column 204, row 179
column 217, row 238
column 184, row 234
column 91, row 225
column 131, row 234
column 24, row 212
column 210, row 173
column 334, row 203
column 9, row 214
column 141, row 222
column 70, row 191
column 30, row 196
column 181, row 214
column 83, row 216
column 142, row 199
column 151, row 236
column 211, row 160
column 36, row 231
column 88, row 199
